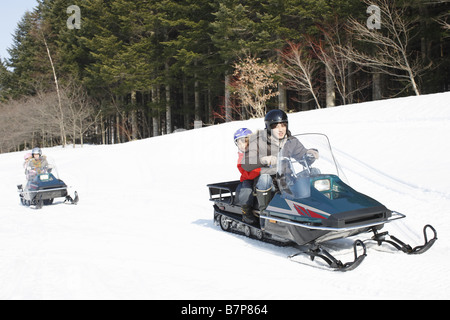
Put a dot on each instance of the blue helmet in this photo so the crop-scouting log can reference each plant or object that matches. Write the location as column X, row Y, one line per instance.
column 242, row 133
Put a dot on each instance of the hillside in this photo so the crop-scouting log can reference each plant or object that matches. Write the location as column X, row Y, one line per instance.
column 143, row 228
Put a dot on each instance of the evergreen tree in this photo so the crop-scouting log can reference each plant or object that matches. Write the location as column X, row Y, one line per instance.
column 5, row 86
column 152, row 65
column 27, row 58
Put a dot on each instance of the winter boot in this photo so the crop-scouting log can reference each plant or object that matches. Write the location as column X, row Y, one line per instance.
column 264, row 198
column 247, row 215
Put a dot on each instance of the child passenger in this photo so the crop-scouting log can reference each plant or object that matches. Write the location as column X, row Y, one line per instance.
column 244, row 192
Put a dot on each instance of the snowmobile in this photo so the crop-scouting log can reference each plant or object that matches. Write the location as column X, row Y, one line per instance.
column 311, row 205
column 43, row 186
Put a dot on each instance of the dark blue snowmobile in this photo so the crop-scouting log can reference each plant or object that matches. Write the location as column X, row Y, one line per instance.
column 43, row 187
column 312, row 205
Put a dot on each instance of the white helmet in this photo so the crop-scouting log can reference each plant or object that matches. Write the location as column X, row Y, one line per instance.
column 37, row 151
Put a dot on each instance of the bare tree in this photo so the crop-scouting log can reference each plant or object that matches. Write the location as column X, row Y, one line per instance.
column 39, row 31
column 442, row 20
column 298, row 70
column 391, row 55
column 80, row 112
column 48, row 115
column 338, row 67
column 255, row 85
column 37, row 121
column 24, row 123
column 9, row 135
column 60, row 108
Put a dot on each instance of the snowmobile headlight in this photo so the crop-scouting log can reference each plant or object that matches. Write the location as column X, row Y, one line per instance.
column 44, row 177
column 322, row 185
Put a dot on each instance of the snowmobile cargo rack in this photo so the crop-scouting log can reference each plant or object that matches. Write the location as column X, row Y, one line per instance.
column 223, row 192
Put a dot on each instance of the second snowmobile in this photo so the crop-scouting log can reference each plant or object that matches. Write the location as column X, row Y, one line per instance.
column 311, row 206
column 43, row 186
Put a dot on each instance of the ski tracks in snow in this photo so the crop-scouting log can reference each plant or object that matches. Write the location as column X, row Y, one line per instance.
column 393, row 192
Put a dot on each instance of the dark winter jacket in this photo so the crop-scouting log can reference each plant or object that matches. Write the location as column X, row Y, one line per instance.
column 262, row 145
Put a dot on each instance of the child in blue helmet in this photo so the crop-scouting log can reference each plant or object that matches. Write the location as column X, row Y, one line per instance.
column 244, row 192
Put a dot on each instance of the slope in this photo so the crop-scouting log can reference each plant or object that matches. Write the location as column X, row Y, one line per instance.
column 144, row 229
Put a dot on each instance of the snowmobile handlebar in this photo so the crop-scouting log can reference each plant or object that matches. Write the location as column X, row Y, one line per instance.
column 307, row 160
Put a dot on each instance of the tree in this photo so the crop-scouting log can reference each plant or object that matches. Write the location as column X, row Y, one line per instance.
column 391, row 54
column 299, row 70
column 241, row 29
column 5, row 87
column 27, row 60
column 255, row 85
column 340, row 70
column 443, row 20
column 232, row 33
column 152, row 66
column 80, row 112
column 39, row 30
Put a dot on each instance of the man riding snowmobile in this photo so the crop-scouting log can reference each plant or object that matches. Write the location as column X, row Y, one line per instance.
column 303, row 201
column 43, row 184
column 264, row 148
column 37, row 164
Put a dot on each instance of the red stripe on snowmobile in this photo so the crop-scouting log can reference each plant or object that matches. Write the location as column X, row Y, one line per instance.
column 315, row 215
column 302, row 211
column 307, row 213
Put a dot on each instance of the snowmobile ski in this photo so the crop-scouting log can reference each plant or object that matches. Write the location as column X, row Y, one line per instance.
column 71, row 200
column 380, row 238
column 316, row 251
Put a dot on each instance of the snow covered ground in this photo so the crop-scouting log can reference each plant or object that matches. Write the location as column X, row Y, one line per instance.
column 143, row 228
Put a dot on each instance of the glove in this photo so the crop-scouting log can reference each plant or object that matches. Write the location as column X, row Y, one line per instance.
column 314, row 153
column 269, row 161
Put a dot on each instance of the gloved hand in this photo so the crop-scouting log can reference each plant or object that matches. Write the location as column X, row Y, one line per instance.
column 269, row 161
column 314, row 153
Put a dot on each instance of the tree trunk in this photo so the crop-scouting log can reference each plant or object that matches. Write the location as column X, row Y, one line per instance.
column 350, row 84
column 331, row 90
column 186, row 109
column 197, row 96
column 118, row 131
column 168, row 103
column 376, row 86
column 210, row 107
column 102, row 128
column 61, row 120
column 155, row 118
column 134, row 122
column 228, row 114
column 282, row 99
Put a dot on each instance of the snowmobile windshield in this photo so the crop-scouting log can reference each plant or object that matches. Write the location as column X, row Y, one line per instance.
column 296, row 168
column 43, row 167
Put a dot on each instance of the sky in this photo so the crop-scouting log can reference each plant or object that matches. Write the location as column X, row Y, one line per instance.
column 11, row 12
